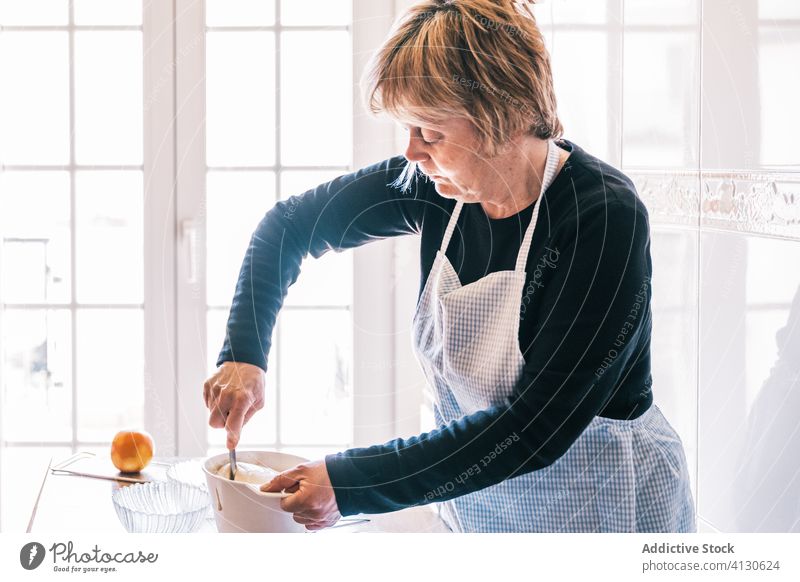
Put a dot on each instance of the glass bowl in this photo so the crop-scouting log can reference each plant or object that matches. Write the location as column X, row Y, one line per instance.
column 190, row 473
column 161, row 507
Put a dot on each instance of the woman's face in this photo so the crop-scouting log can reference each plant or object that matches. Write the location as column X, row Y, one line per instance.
column 448, row 154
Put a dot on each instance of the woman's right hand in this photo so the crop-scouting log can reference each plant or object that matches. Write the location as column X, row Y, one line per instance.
column 233, row 394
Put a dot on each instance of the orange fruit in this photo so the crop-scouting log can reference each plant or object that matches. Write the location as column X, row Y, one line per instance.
column 131, row 450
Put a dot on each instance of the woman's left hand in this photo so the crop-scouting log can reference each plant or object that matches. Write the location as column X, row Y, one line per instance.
column 312, row 500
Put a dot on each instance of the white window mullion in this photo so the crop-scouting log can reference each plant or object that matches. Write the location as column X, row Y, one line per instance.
column 190, row 188
column 161, row 412
column 374, row 333
column 276, row 346
column 72, row 230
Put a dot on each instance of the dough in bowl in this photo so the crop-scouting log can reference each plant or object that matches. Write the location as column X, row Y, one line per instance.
column 248, row 473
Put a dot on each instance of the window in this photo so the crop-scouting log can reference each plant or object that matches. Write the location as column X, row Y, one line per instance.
column 279, row 103
column 71, row 214
column 140, row 144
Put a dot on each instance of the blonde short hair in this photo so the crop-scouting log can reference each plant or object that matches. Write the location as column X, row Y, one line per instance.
column 483, row 60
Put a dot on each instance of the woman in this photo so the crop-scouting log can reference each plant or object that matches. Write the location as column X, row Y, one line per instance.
column 533, row 320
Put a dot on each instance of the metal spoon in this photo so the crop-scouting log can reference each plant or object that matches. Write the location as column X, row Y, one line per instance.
column 233, row 469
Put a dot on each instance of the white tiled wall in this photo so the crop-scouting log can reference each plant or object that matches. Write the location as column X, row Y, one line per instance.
column 710, row 132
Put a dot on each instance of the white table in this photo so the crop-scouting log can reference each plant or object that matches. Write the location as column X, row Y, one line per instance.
column 71, row 504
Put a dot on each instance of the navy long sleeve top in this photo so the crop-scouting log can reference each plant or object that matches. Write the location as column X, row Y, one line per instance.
column 585, row 317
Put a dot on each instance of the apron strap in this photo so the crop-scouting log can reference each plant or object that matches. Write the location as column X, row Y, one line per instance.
column 451, row 226
column 553, row 156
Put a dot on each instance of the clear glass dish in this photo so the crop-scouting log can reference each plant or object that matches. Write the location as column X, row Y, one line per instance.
column 161, row 507
column 188, row 473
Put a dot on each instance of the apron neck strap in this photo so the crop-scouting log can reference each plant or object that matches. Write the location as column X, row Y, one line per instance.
column 451, row 226
column 553, row 156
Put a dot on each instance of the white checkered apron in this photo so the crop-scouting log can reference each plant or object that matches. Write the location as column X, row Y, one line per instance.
column 618, row 476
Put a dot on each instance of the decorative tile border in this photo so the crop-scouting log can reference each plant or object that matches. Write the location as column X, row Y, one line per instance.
column 751, row 202
column 671, row 198
column 759, row 203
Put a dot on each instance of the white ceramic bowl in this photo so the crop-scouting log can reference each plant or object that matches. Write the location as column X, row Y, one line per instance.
column 242, row 507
